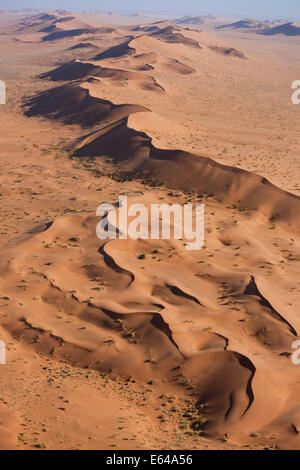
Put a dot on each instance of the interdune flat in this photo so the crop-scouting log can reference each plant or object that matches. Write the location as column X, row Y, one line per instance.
column 141, row 343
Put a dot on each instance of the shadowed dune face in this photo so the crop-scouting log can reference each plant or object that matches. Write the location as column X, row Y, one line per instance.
column 173, row 35
column 228, row 51
column 83, row 70
column 78, row 106
column 288, row 29
column 67, row 34
column 265, row 28
column 168, row 33
column 116, row 51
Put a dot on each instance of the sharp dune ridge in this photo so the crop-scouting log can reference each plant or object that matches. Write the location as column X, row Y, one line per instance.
column 246, row 24
column 117, row 51
column 173, row 35
column 134, row 154
column 76, row 70
column 193, row 20
column 169, row 35
column 78, row 106
column 228, row 51
column 53, row 36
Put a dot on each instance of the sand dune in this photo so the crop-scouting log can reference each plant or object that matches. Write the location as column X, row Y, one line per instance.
column 173, row 35
column 83, row 45
column 228, row 51
column 78, row 106
column 116, row 51
column 54, row 36
column 193, row 20
column 82, row 70
column 141, row 343
column 133, row 151
column 152, row 27
column 267, row 28
column 288, row 29
column 248, row 24
column 179, row 67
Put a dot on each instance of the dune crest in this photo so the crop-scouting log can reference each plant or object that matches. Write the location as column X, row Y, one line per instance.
column 134, row 154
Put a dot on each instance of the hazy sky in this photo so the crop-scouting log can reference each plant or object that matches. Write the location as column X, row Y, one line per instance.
column 236, row 8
